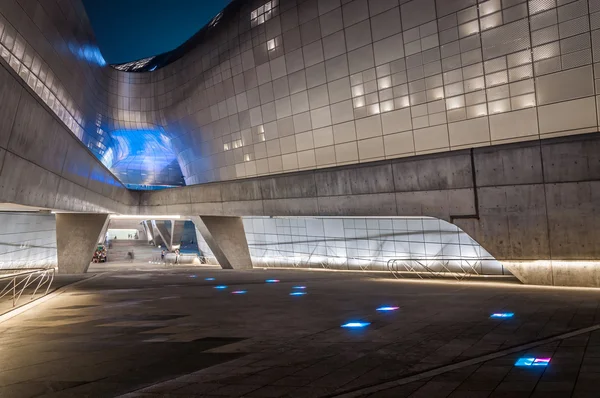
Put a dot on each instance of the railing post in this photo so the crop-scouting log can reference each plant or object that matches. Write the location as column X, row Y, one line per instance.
column 14, row 289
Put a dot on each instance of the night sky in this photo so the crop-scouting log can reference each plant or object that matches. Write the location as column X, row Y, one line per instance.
column 128, row 30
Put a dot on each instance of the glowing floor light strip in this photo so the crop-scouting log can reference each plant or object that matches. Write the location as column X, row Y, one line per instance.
column 239, row 292
column 297, row 293
column 193, row 276
column 385, row 309
column 532, row 362
column 272, row 281
column 221, row 287
column 209, row 279
column 502, row 315
column 355, row 325
column 299, row 287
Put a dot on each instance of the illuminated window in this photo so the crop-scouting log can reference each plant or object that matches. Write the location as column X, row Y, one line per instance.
column 237, row 144
column 358, row 91
column 387, row 106
column 263, row 13
column 373, row 109
column 359, row 102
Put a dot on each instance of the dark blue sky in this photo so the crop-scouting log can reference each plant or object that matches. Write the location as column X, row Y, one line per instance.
column 128, row 30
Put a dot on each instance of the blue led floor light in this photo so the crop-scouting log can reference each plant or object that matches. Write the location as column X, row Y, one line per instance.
column 209, row 279
column 297, row 293
column 500, row 315
column 272, row 281
column 221, row 287
column 239, row 292
column 387, row 308
column 530, row 361
column 355, row 325
column 299, row 287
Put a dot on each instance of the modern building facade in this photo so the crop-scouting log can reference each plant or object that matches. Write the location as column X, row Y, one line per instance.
column 480, row 113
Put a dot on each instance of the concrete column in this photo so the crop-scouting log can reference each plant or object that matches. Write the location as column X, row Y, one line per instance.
column 226, row 238
column 176, row 232
column 77, row 235
column 170, row 231
column 156, row 234
column 148, row 235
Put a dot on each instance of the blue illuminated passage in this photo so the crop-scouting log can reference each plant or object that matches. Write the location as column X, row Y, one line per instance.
column 143, row 157
column 209, row 279
column 272, row 281
column 532, row 362
column 356, row 325
column 193, row 276
column 299, row 287
column 385, row 309
column 87, row 52
column 239, row 292
column 502, row 315
column 297, row 293
column 221, row 287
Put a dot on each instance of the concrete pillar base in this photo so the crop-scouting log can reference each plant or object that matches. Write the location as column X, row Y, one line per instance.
column 226, row 238
column 76, row 238
column 579, row 273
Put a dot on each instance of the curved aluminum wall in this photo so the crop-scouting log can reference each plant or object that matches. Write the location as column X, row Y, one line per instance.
column 51, row 46
column 422, row 244
column 286, row 85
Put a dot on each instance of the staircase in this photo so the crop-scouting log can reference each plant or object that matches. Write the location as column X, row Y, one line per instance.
column 143, row 252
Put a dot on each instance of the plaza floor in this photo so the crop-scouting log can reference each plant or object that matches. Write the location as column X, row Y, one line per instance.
column 169, row 332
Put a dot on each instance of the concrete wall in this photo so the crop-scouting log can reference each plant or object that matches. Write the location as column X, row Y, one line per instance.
column 27, row 240
column 538, row 209
column 432, row 185
column 42, row 164
column 523, row 202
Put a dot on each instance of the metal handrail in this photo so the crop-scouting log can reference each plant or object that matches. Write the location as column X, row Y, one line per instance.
column 27, row 276
column 393, row 264
column 420, row 267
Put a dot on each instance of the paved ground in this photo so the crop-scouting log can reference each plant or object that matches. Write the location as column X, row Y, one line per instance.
column 170, row 333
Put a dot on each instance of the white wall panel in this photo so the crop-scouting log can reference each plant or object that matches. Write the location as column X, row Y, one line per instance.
column 368, row 244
